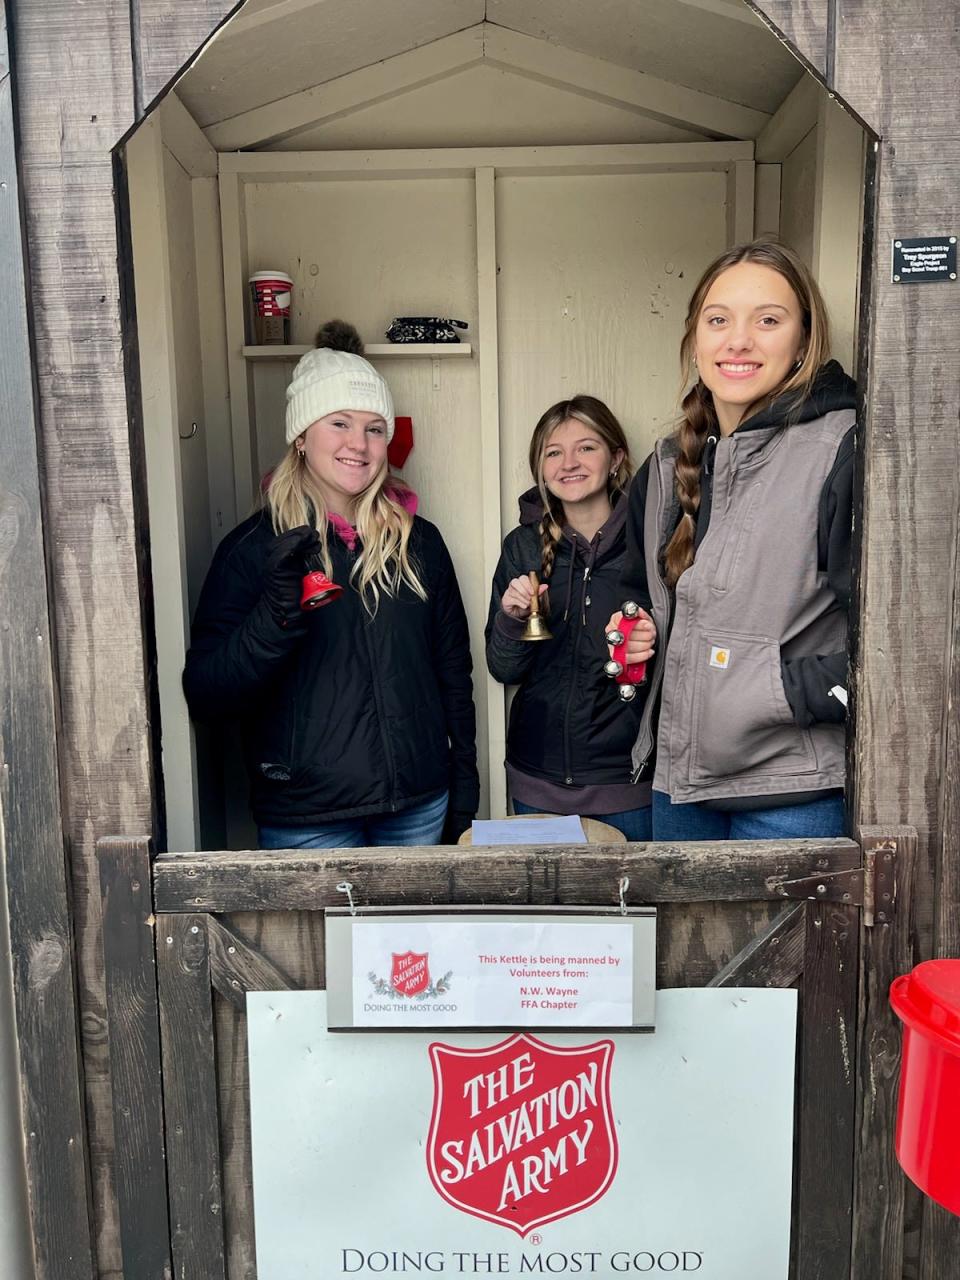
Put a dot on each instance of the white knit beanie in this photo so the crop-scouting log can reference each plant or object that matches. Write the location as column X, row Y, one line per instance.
column 325, row 380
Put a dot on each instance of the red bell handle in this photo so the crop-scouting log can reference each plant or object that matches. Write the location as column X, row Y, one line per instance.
column 627, row 674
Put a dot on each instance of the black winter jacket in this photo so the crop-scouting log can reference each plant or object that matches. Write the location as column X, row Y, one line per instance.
column 342, row 715
column 567, row 722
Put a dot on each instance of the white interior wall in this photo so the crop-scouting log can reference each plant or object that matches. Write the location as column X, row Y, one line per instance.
column 485, row 106
column 838, row 223
column 160, row 304
column 188, row 374
column 819, row 151
column 175, row 232
column 595, row 273
column 798, row 196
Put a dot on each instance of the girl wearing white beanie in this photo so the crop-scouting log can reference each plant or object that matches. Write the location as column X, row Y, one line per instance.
column 357, row 718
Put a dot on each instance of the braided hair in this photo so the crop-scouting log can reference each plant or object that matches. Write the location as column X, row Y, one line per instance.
column 593, row 413
column 699, row 417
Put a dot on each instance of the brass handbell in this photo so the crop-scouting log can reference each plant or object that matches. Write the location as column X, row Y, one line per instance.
column 536, row 628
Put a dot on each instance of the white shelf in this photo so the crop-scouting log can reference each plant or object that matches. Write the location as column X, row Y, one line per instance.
column 374, row 350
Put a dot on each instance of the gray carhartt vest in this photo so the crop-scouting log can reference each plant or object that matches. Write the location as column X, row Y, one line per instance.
column 753, row 593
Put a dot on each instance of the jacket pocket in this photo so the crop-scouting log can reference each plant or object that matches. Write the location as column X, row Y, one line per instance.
column 742, row 724
column 737, row 532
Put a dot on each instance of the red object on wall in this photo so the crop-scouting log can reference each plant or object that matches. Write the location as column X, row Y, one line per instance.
column 927, row 1001
column 400, row 446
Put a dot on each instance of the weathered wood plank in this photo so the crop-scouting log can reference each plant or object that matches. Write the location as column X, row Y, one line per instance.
column 725, row 871
column 133, row 1030
column 941, row 1230
column 31, row 840
column 879, row 50
column 696, row 940
column 827, row 1097
column 899, row 71
column 190, row 1098
column 293, row 943
column 774, row 958
column 886, row 951
column 166, row 35
column 910, row 431
column 941, row 1234
column 236, row 967
column 75, row 99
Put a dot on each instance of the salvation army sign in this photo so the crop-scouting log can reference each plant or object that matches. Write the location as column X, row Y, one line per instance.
column 474, row 1155
column 522, row 1132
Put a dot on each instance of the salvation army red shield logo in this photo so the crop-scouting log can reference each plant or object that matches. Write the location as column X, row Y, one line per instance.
column 410, row 973
column 522, row 1132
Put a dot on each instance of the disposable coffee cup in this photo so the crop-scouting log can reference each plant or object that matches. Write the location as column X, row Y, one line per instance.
column 270, row 293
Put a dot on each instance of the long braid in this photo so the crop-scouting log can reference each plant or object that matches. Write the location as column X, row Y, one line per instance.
column 550, row 535
column 699, row 419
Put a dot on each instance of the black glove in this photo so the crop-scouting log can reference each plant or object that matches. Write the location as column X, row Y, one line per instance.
column 284, row 570
column 455, row 824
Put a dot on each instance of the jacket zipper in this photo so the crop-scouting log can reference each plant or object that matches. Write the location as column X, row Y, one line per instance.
column 567, row 765
column 378, row 701
column 660, row 661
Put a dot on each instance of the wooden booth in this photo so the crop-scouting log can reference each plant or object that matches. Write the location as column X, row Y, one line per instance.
column 557, row 174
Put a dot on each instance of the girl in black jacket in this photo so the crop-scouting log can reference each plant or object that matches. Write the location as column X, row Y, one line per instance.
column 569, row 740
column 358, row 720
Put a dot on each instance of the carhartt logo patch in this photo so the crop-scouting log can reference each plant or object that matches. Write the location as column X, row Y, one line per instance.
column 719, row 656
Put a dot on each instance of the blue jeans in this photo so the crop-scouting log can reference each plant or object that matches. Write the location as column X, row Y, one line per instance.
column 422, row 824
column 819, row 818
column 635, row 823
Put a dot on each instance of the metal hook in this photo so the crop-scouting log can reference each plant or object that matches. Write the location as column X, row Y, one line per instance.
column 346, row 887
column 623, row 886
column 194, row 428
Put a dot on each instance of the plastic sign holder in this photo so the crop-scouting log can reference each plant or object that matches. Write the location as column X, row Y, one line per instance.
column 471, row 968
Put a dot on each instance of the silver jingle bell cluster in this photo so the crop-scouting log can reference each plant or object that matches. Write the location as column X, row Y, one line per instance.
column 613, row 668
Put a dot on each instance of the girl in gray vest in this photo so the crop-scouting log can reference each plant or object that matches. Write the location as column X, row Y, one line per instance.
column 739, row 535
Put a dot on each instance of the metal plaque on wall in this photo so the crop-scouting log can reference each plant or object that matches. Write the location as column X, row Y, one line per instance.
column 924, row 259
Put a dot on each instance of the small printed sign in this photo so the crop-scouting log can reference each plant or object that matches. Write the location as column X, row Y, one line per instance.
column 402, row 972
column 924, row 260
column 474, row 1154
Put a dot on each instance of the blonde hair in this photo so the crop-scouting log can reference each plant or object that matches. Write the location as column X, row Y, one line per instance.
column 383, row 525
column 699, row 418
column 593, row 413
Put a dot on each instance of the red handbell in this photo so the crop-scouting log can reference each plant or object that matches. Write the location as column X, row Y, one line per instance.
column 318, row 590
